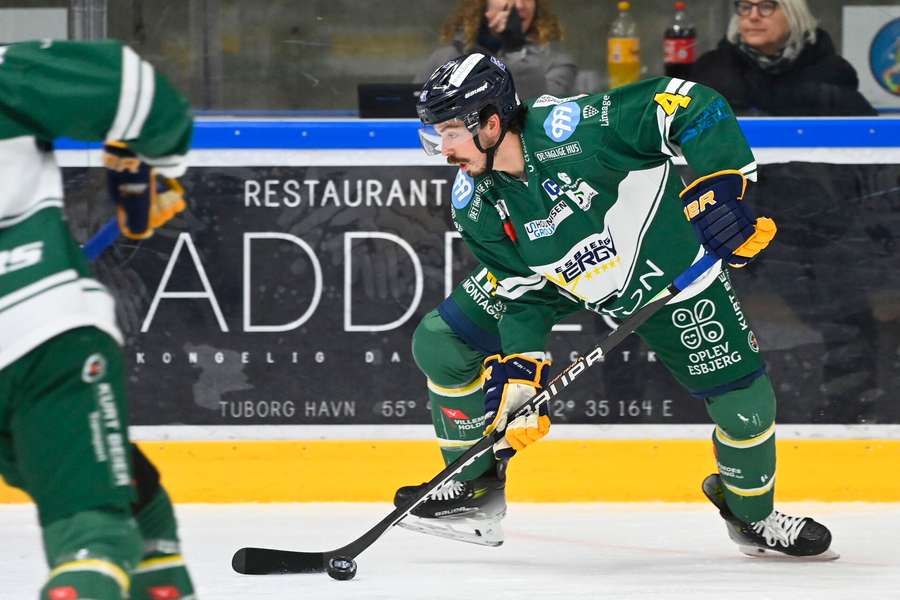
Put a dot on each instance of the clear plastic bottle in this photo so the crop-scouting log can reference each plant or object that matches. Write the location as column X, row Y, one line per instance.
column 623, row 49
column 679, row 43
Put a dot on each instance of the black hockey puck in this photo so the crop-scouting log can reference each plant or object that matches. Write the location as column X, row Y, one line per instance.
column 341, row 568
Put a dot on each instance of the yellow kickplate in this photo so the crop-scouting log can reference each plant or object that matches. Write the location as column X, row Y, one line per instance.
column 550, row 471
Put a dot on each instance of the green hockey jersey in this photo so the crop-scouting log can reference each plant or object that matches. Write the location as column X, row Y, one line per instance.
column 598, row 220
column 87, row 91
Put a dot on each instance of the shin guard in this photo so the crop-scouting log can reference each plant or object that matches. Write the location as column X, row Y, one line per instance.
column 162, row 573
column 744, row 442
column 91, row 554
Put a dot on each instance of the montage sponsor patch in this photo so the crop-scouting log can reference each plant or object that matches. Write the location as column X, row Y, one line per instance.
column 562, row 121
column 546, row 227
column 564, row 151
column 463, row 189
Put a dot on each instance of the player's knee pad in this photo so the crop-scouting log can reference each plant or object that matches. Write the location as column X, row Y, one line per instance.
column 441, row 355
column 745, row 415
column 92, row 553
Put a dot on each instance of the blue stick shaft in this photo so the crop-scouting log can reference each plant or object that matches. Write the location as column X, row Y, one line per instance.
column 101, row 240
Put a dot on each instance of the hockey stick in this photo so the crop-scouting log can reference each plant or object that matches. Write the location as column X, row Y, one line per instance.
column 102, row 240
column 264, row 561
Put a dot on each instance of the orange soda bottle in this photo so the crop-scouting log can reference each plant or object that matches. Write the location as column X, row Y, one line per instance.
column 623, row 49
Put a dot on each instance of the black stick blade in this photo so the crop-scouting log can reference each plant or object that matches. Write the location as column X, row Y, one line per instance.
column 263, row 561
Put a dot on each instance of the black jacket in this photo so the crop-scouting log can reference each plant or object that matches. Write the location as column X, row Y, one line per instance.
column 817, row 83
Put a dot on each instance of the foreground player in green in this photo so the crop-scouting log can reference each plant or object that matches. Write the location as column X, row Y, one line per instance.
column 109, row 530
column 573, row 204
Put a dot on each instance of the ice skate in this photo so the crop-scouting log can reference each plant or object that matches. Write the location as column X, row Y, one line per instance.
column 467, row 511
column 776, row 535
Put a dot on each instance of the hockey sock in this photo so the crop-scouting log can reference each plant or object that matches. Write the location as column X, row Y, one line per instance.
column 458, row 418
column 454, row 373
column 744, row 442
column 161, row 574
column 90, row 554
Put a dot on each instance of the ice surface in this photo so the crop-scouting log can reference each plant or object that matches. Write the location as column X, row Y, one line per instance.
column 570, row 551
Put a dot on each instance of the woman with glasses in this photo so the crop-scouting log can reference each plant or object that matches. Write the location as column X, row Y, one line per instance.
column 774, row 60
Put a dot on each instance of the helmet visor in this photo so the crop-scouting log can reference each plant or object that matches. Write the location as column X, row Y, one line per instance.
column 444, row 136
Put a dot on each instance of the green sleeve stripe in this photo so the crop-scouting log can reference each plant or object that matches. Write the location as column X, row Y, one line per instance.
column 135, row 97
column 41, row 204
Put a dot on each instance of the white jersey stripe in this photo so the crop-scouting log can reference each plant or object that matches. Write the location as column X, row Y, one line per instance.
column 128, row 94
column 516, row 287
column 42, row 204
column 145, row 100
column 749, row 171
column 37, row 287
column 661, row 117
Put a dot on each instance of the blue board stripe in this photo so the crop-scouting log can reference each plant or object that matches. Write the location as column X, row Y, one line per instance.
column 401, row 134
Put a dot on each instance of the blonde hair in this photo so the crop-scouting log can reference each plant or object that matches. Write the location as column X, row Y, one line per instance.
column 801, row 21
column 469, row 13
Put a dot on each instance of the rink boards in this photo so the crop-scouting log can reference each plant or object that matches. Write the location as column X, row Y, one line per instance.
column 575, row 464
column 364, row 454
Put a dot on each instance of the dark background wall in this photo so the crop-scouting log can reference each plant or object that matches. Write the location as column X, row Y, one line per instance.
column 309, row 55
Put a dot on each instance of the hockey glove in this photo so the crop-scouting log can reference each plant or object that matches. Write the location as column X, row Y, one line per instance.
column 511, row 381
column 145, row 200
column 726, row 226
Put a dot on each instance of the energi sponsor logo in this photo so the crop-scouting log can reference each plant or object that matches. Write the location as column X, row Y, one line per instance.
column 560, row 124
column 596, row 256
column 547, row 227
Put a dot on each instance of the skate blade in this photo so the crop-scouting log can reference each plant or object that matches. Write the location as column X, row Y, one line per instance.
column 754, row 552
column 484, row 532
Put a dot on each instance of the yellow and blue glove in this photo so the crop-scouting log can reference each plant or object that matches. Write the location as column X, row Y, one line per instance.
column 144, row 199
column 510, row 382
column 725, row 225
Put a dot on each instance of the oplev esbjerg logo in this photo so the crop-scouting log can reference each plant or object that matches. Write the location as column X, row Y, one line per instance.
column 884, row 57
column 698, row 325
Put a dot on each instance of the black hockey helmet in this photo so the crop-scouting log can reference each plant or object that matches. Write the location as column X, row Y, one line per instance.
column 461, row 88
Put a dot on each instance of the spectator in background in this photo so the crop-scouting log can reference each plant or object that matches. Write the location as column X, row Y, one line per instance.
column 524, row 33
column 775, row 61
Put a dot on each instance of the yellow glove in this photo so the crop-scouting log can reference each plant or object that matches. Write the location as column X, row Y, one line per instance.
column 510, row 382
column 144, row 200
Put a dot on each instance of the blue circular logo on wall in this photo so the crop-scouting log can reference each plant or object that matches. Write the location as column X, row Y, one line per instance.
column 884, row 57
column 560, row 124
column 463, row 188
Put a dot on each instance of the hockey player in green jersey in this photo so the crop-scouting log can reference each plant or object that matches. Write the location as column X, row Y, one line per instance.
column 572, row 203
column 108, row 526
